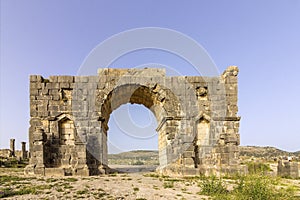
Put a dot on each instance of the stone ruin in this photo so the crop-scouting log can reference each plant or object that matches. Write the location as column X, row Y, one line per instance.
column 198, row 126
column 287, row 168
column 13, row 153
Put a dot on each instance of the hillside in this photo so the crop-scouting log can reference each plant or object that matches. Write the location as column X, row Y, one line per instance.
column 266, row 152
column 147, row 157
column 138, row 157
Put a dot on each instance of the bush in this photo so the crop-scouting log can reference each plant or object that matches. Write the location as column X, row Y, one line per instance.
column 212, row 186
column 260, row 188
column 13, row 163
column 250, row 187
column 168, row 184
column 7, row 192
column 138, row 163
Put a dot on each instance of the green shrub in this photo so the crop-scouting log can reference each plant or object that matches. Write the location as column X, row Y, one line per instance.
column 168, row 184
column 153, row 175
column 71, row 179
column 9, row 192
column 212, row 186
column 138, row 163
column 51, row 180
column 14, row 163
column 80, row 192
column 260, row 188
column 6, row 178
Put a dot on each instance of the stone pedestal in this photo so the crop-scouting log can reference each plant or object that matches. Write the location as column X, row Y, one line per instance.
column 24, row 152
column 12, row 147
column 37, row 162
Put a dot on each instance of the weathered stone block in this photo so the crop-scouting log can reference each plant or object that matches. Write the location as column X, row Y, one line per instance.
column 36, row 78
column 188, row 154
column 64, row 85
column 52, row 86
column 188, row 162
column 54, row 172
column 67, row 79
column 53, row 79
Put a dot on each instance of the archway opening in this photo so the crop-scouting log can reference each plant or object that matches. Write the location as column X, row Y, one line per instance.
column 132, row 139
column 157, row 99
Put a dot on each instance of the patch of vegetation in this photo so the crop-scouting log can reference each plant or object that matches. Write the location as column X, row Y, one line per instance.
column 113, row 174
column 80, row 192
column 100, row 195
column 168, row 184
column 136, row 189
column 8, row 192
column 43, row 187
column 260, row 188
column 212, row 186
column 59, row 189
column 6, row 178
column 138, row 162
column 250, row 187
column 13, row 163
column 128, row 179
column 51, row 180
column 153, row 175
column 155, row 187
column 71, row 179
column 67, row 186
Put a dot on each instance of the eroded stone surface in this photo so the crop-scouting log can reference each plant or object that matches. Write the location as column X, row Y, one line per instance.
column 197, row 119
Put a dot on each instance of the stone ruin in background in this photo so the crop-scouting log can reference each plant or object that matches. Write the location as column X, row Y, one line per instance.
column 198, row 126
column 288, row 169
column 13, row 153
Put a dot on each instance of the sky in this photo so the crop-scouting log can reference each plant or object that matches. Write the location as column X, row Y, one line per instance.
column 53, row 37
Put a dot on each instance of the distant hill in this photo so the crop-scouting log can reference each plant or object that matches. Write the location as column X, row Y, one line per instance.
column 266, row 152
column 138, row 157
column 146, row 157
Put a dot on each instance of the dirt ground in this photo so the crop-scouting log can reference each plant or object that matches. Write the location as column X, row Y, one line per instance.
column 136, row 183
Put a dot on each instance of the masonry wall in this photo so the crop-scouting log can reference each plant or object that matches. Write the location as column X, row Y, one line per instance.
column 197, row 118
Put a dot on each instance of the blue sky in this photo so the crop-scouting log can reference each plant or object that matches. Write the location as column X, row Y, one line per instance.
column 260, row 37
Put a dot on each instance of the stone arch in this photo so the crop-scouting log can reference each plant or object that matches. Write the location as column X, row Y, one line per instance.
column 160, row 100
column 184, row 108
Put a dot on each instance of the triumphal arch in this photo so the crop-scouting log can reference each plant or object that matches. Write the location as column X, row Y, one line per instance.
column 198, row 126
